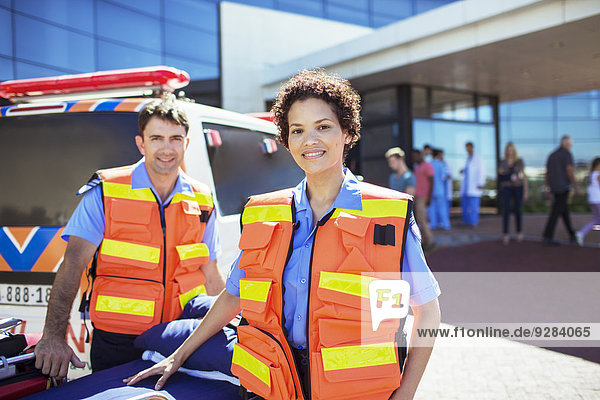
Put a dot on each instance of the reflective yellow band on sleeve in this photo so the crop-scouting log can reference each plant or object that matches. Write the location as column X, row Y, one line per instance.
column 354, row 284
column 251, row 364
column 368, row 355
column 200, row 198
column 187, row 296
column 124, row 191
column 267, row 214
column 377, row 208
column 254, row 290
column 194, row 250
column 123, row 305
column 130, row 251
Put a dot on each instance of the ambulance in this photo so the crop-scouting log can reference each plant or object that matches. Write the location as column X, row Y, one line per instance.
column 56, row 132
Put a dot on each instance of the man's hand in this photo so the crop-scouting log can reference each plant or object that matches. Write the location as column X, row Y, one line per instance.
column 53, row 355
column 166, row 368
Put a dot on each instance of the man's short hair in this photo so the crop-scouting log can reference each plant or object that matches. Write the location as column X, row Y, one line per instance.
column 469, row 144
column 166, row 109
column 394, row 152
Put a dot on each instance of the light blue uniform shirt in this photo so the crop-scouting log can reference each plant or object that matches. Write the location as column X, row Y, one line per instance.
column 423, row 286
column 87, row 221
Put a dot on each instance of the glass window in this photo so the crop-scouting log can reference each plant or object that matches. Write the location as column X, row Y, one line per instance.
column 202, row 15
column 532, row 108
column 584, row 151
column 419, row 102
column 5, row 32
column 543, row 130
column 577, row 108
column 43, row 43
column 196, row 69
column 258, row 3
column 253, row 172
column 148, row 6
column 73, row 13
column 25, row 70
column 314, row 8
column 504, row 110
column 115, row 56
column 190, row 43
column 376, row 140
column 5, row 3
column 116, row 23
column 383, row 20
column 393, row 8
column 452, row 105
column 534, row 154
column 583, row 129
column 346, row 14
column 379, row 105
column 485, row 110
column 426, row 5
column 362, row 5
column 6, row 69
column 54, row 144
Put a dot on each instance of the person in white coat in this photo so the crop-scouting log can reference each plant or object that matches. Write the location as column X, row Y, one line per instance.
column 472, row 186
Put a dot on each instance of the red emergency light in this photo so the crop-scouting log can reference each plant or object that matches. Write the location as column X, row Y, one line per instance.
column 166, row 78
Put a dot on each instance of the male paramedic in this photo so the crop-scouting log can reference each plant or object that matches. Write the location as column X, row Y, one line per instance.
column 150, row 233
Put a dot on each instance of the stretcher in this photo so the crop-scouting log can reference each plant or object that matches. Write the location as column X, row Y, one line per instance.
column 108, row 384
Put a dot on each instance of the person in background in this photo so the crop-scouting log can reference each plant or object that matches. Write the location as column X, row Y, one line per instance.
column 424, row 175
column 303, row 309
column 560, row 179
column 438, row 210
column 593, row 192
column 402, row 179
column 514, row 187
column 449, row 189
column 472, row 186
column 427, row 153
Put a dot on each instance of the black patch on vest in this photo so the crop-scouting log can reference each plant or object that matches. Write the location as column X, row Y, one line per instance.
column 384, row 235
column 204, row 214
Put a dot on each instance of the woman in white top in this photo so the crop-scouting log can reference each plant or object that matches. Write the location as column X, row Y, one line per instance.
column 593, row 191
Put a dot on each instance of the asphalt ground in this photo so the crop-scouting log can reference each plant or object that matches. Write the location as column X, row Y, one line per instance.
column 484, row 280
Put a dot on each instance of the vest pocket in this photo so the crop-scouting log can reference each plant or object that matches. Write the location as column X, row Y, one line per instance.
column 125, row 305
column 130, row 219
column 187, row 286
column 127, row 254
column 355, row 372
column 254, row 244
column 255, row 295
column 192, row 256
column 261, row 365
column 344, row 294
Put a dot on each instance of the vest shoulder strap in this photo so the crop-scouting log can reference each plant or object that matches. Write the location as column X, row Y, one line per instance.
column 371, row 191
column 197, row 186
column 279, row 197
column 117, row 175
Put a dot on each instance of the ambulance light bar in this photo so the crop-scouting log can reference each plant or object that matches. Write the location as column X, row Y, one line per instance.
column 166, row 78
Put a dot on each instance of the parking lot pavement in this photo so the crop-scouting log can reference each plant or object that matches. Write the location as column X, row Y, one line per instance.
column 504, row 369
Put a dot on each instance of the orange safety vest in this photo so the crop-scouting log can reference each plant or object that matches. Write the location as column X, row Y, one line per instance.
column 351, row 248
column 148, row 265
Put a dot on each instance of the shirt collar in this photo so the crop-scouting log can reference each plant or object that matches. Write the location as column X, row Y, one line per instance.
column 141, row 180
column 349, row 196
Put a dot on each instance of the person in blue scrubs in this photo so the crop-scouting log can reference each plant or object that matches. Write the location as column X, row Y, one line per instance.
column 318, row 139
column 438, row 210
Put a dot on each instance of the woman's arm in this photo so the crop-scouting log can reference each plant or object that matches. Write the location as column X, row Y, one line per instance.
column 427, row 316
column 225, row 308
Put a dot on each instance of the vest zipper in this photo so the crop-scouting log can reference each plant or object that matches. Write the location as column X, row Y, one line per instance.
column 163, row 225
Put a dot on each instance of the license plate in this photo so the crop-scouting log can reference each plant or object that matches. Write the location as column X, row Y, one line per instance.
column 26, row 295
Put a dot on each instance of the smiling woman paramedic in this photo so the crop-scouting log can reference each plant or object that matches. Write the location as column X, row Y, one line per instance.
column 307, row 253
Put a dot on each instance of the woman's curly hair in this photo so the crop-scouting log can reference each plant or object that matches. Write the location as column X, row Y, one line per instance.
column 316, row 83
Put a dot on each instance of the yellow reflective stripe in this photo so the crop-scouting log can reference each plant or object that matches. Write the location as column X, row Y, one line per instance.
column 377, row 208
column 124, row 191
column 187, row 296
column 201, row 198
column 251, row 364
column 193, row 250
column 123, row 305
column 354, row 284
column 267, row 214
column 130, row 251
column 368, row 355
column 254, row 290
